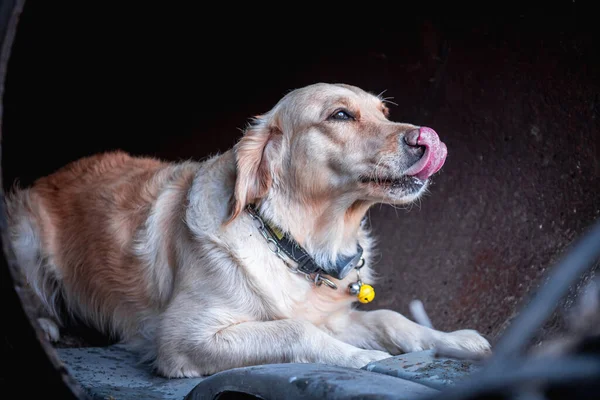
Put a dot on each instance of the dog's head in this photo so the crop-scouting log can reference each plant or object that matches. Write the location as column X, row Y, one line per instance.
column 325, row 142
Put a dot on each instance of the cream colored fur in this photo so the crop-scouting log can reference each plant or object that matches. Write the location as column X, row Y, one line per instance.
column 164, row 256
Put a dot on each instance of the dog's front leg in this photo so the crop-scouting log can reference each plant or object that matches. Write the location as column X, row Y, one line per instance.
column 392, row 332
column 253, row 343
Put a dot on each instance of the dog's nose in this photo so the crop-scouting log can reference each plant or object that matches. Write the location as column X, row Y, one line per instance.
column 426, row 144
column 411, row 137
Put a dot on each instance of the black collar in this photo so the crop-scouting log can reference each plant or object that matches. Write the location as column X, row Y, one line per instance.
column 305, row 263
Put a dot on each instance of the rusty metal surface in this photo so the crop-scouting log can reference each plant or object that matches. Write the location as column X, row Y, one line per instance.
column 518, row 109
column 516, row 101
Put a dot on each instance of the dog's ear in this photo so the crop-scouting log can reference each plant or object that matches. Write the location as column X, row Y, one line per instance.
column 254, row 155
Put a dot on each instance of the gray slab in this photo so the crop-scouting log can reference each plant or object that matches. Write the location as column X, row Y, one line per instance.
column 422, row 367
column 114, row 373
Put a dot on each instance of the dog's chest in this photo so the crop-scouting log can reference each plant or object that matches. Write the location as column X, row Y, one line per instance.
column 291, row 295
column 321, row 303
column 282, row 292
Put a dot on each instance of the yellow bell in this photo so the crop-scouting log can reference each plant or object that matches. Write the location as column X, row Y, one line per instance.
column 366, row 294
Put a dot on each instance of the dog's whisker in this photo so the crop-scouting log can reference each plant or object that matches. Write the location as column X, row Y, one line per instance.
column 380, row 94
column 388, row 101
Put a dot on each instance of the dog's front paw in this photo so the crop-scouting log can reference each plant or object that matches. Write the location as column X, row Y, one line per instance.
column 364, row 357
column 464, row 344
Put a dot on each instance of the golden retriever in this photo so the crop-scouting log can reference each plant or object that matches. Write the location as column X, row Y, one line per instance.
column 169, row 258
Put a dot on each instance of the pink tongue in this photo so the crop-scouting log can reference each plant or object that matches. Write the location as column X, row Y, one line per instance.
column 433, row 158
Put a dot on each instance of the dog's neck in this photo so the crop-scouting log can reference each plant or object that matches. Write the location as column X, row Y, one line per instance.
column 327, row 230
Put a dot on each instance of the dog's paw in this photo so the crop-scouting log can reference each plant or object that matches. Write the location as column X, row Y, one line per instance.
column 50, row 329
column 464, row 344
column 178, row 366
column 364, row 357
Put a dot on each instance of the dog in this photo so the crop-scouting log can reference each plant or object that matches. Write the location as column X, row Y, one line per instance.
column 254, row 256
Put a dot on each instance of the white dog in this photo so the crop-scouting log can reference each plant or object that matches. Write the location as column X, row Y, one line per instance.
column 254, row 256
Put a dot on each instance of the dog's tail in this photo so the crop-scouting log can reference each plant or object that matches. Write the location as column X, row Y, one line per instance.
column 35, row 272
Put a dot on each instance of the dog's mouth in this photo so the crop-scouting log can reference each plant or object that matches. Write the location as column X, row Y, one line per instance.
column 415, row 178
column 407, row 184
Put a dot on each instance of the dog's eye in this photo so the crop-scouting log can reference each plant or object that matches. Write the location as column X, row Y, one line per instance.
column 342, row 115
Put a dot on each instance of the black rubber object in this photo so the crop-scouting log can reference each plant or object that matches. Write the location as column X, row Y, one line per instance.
column 306, row 381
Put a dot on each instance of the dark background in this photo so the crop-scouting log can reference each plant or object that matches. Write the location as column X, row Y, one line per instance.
column 514, row 93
